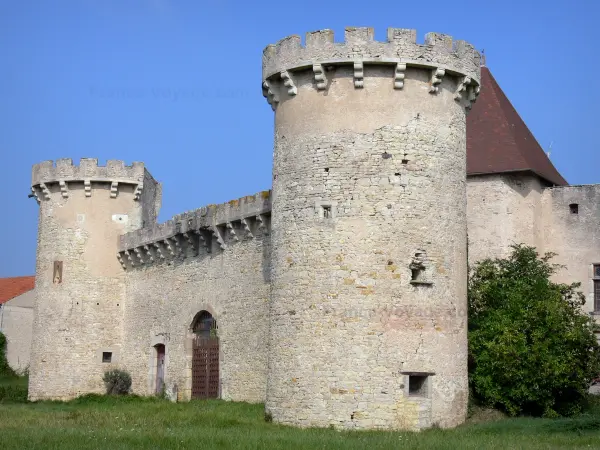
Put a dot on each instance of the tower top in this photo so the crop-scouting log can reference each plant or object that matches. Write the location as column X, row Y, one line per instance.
column 64, row 172
column 438, row 52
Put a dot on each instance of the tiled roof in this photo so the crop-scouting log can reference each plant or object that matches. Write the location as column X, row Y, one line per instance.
column 499, row 141
column 13, row 287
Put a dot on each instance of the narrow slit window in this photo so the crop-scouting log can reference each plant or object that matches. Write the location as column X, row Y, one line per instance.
column 596, row 281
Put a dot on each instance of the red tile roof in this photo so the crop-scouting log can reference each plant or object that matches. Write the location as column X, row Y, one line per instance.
column 499, row 141
column 13, row 287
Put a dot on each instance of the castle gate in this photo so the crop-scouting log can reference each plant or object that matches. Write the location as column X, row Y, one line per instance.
column 205, row 357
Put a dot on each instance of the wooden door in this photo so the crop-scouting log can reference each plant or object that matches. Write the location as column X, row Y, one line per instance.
column 160, row 368
column 205, row 367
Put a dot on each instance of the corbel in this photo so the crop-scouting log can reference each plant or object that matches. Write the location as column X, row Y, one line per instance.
column 114, row 189
column 246, row 227
column 120, row 258
column 138, row 254
column 436, row 79
column 232, row 231
column 359, row 74
column 189, row 237
column 168, row 246
column 399, row 75
column 129, row 258
column 270, row 95
column 289, row 83
column 45, row 191
column 320, row 78
column 159, row 251
column 35, row 194
column 262, row 223
column 462, row 88
column 149, row 253
column 64, row 191
column 138, row 191
column 217, row 234
column 87, row 186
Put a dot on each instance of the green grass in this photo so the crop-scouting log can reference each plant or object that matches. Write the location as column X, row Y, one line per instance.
column 98, row 422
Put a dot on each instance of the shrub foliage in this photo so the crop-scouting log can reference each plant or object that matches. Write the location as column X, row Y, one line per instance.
column 117, row 382
column 532, row 349
column 5, row 369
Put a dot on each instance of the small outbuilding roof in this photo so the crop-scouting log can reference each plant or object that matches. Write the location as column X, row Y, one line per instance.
column 499, row 141
column 13, row 287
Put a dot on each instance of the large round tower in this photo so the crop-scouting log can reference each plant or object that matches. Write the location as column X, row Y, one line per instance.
column 79, row 282
column 369, row 265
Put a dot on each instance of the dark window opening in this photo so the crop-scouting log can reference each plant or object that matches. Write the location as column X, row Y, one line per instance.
column 205, row 325
column 597, row 295
column 326, row 212
column 57, row 273
column 106, row 357
column 417, row 385
column 574, row 208
column 326, row 169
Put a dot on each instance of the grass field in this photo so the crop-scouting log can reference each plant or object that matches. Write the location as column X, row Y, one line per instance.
column 98, row 422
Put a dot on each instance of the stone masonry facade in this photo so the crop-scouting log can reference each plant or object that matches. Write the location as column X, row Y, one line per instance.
column 340, row 295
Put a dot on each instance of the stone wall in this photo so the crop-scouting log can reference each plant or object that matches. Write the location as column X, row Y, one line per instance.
column 571, row 229
column 80, row 285
column 16, row 321
column 503, row 210
column 214, row 259
column 369, row 232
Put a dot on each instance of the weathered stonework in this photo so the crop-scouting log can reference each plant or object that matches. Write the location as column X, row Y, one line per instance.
column 359, row 168
column 340, row 296
column 79, row 312
column 507, row 209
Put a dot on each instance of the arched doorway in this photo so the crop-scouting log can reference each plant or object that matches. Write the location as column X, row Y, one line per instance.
column 160, row 368
column 205, row 357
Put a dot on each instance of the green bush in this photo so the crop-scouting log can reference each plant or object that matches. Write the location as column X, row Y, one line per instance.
column 13, row 389
column 532, row 349
column 117, row 382
column 5, row 370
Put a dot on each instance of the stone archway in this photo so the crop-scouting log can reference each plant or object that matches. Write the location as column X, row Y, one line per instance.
column 205, row 356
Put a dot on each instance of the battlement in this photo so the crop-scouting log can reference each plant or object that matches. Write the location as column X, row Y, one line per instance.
column 438, row 52
column 63, row 172
column 205, row 229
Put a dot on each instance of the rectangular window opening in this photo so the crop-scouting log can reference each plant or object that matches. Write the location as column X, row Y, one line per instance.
column 327, row 212
column 417, row 385
column 106, row 357
column 574, row 208
column 596, row 281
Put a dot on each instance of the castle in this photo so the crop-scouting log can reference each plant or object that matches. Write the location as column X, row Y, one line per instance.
column 339, row 297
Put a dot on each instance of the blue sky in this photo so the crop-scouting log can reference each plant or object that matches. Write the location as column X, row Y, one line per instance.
column 176, row 84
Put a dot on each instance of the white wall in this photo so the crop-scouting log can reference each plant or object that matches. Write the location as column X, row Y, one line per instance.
column 16, row 321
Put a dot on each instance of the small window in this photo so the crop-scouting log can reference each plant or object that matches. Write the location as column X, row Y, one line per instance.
column 417, row 385
column 327, row 212
column 574, row 208
column 596, row 287
column 57, row 272
column 106, row 357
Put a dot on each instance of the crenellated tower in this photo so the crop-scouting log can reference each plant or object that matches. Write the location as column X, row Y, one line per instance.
column 80, row 283
column 368, row 299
